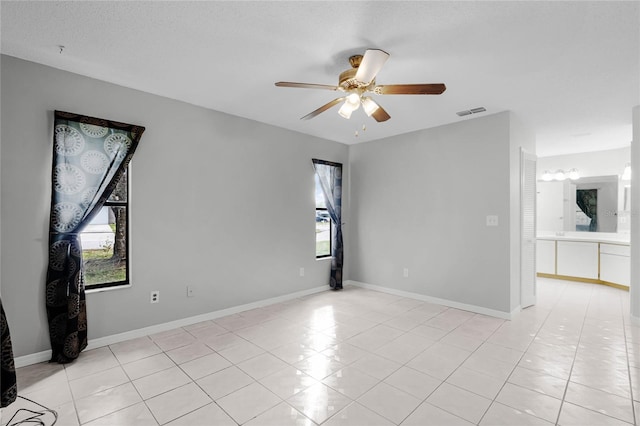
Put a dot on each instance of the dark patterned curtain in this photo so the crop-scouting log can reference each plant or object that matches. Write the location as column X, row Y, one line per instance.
column 89, row 156
column 587, row 200
column 330, row 177
column 7, row 367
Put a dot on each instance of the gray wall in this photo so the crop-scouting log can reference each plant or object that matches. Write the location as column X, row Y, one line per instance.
column 421, row 201
column 220, row 203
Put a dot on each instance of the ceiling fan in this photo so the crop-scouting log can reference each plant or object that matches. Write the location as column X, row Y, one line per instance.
column 360, row 80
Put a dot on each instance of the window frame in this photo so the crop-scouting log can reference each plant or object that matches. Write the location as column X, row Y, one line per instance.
column 114, row 285
column 324, row 256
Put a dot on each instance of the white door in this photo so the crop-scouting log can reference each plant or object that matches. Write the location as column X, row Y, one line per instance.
column 527, row 229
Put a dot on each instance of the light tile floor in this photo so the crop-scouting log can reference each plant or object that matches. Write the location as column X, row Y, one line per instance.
column 360, row 357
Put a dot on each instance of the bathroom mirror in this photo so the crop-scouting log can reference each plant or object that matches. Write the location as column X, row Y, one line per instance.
column 596, row 206
column 588, row 204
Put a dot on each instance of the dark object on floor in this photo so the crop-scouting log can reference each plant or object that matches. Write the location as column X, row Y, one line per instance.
column 8, row 373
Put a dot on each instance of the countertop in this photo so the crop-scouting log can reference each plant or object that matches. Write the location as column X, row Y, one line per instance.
column 592, row 237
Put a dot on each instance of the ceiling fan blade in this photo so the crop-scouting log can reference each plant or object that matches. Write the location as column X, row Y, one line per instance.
column 380, row 115
column 306, row 85
column 372, row 62
column 322, row 109
column 410, row 89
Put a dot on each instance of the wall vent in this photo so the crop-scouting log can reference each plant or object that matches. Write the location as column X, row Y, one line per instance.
column 471, row 111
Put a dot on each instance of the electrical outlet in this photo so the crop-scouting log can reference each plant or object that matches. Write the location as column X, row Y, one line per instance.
column 189, row 291
column 302, row 272
column 492, row 220
column 155, row 297
column 405, row 272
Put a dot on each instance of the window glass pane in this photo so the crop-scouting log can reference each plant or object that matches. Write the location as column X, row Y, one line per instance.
column 104, row 247
column 319, row 196
column 120, row 192
column 323, row 233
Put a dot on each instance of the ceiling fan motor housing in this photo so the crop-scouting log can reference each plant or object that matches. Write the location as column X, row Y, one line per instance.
column 347, row 79
column 355, row 60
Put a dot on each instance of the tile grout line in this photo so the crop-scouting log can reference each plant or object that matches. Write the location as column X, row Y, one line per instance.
column 73, row 400
column 520, row 359
column 626, row 347
column 445, row 380
column 566, row 388
column 593, row 291
column 371, row 352
column 131, row 381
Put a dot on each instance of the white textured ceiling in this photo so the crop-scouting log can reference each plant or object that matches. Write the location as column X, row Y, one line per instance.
column 569, row 70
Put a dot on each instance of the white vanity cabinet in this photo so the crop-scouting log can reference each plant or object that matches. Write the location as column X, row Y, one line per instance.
column 615, row 264
column 578, row 259
column 546, row 256
column 594, row 260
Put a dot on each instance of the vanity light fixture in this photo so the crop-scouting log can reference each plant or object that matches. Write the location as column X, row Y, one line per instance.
column 574, row 174
column 560, row 175
column 626, row 175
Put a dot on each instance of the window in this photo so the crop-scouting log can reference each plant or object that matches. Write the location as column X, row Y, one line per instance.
column 324, row 226
column 105, row 241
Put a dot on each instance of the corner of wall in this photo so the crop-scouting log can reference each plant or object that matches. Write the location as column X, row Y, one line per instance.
column 520, row 138
column 634, row 287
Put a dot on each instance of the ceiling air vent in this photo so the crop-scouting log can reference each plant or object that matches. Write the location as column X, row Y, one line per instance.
column 471, row 111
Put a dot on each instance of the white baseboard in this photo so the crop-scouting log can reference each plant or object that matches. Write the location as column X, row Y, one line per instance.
column 23, row 361
column 43, row 356
column 516, row 311
column 438, row 301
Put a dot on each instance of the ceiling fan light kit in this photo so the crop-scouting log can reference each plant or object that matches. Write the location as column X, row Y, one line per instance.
column 358, row 81
column 369, row 105
column 345, row 110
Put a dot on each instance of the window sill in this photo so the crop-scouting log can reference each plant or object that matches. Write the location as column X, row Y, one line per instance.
column 100, row 290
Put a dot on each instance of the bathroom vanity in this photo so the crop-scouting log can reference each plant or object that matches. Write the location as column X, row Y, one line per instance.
column 595, row 257
column 583, row 230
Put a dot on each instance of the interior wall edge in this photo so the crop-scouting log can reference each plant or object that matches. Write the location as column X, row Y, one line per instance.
column 634, row 285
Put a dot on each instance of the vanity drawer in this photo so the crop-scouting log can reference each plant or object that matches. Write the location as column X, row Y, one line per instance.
column 615, row 249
